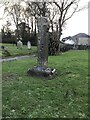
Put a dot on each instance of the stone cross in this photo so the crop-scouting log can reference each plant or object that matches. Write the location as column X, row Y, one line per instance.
column 42, row 69
column 42, row 42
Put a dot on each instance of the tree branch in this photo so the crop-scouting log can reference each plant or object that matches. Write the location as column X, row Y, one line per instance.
column 71, row 15
column 69, row 5
column 57, row 5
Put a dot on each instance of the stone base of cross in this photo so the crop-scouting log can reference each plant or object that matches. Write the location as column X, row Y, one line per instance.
column 47, row 73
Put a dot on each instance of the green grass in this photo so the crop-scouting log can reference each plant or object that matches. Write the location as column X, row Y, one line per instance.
column 16, row 52
column 65, row 96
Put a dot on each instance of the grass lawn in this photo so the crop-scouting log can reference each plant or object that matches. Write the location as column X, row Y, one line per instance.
column 65, row 96
column 16, row 52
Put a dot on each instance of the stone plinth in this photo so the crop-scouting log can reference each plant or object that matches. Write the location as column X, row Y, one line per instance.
column 42, row 72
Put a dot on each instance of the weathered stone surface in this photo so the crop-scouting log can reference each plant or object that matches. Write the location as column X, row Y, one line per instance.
column 42, row 42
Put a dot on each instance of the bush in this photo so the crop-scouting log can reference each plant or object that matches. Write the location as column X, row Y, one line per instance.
column 11, row 39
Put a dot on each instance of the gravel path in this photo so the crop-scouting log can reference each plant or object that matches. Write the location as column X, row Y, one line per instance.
column 16, row 58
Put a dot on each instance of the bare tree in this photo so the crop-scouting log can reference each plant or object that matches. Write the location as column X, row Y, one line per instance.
column 7, row 26
column 53, row 12
column 14, row 12
column 35, row 10
column 66, row 8
column 42, row 8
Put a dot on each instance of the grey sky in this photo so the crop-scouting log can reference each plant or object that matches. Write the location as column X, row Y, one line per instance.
column 77, row 24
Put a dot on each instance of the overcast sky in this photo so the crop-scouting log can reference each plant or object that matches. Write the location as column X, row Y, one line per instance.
column 77, row 24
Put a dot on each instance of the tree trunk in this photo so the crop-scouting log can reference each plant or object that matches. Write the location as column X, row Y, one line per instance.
column 44, row 9
column 35, row 28
column 52, row 26
column 17, row 33
column 60, row 29
column 60, row 33
column 32, row 25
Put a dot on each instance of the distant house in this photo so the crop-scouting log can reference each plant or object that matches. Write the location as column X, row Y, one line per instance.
column 66, row 44
column 81, row 39
column 68, row 40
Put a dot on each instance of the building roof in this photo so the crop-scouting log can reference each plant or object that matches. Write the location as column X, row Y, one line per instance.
column 80, row 35
column 69, row 42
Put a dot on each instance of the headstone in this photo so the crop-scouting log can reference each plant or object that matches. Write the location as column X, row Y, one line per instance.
column 42, row 62
column 29, row 45
column 19, row 44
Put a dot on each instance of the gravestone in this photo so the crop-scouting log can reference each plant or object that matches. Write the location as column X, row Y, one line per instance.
column 29, row 45
column 19, row 44
column 42, row 61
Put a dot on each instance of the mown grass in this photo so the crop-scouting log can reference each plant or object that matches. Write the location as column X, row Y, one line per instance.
column 12, row 49
column 65, row 96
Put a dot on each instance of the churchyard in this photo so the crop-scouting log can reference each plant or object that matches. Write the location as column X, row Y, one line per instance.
column 44, row 86
column 51, row 84
column 65, row 96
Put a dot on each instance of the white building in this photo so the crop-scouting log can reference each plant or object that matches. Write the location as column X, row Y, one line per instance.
column 83, row 41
